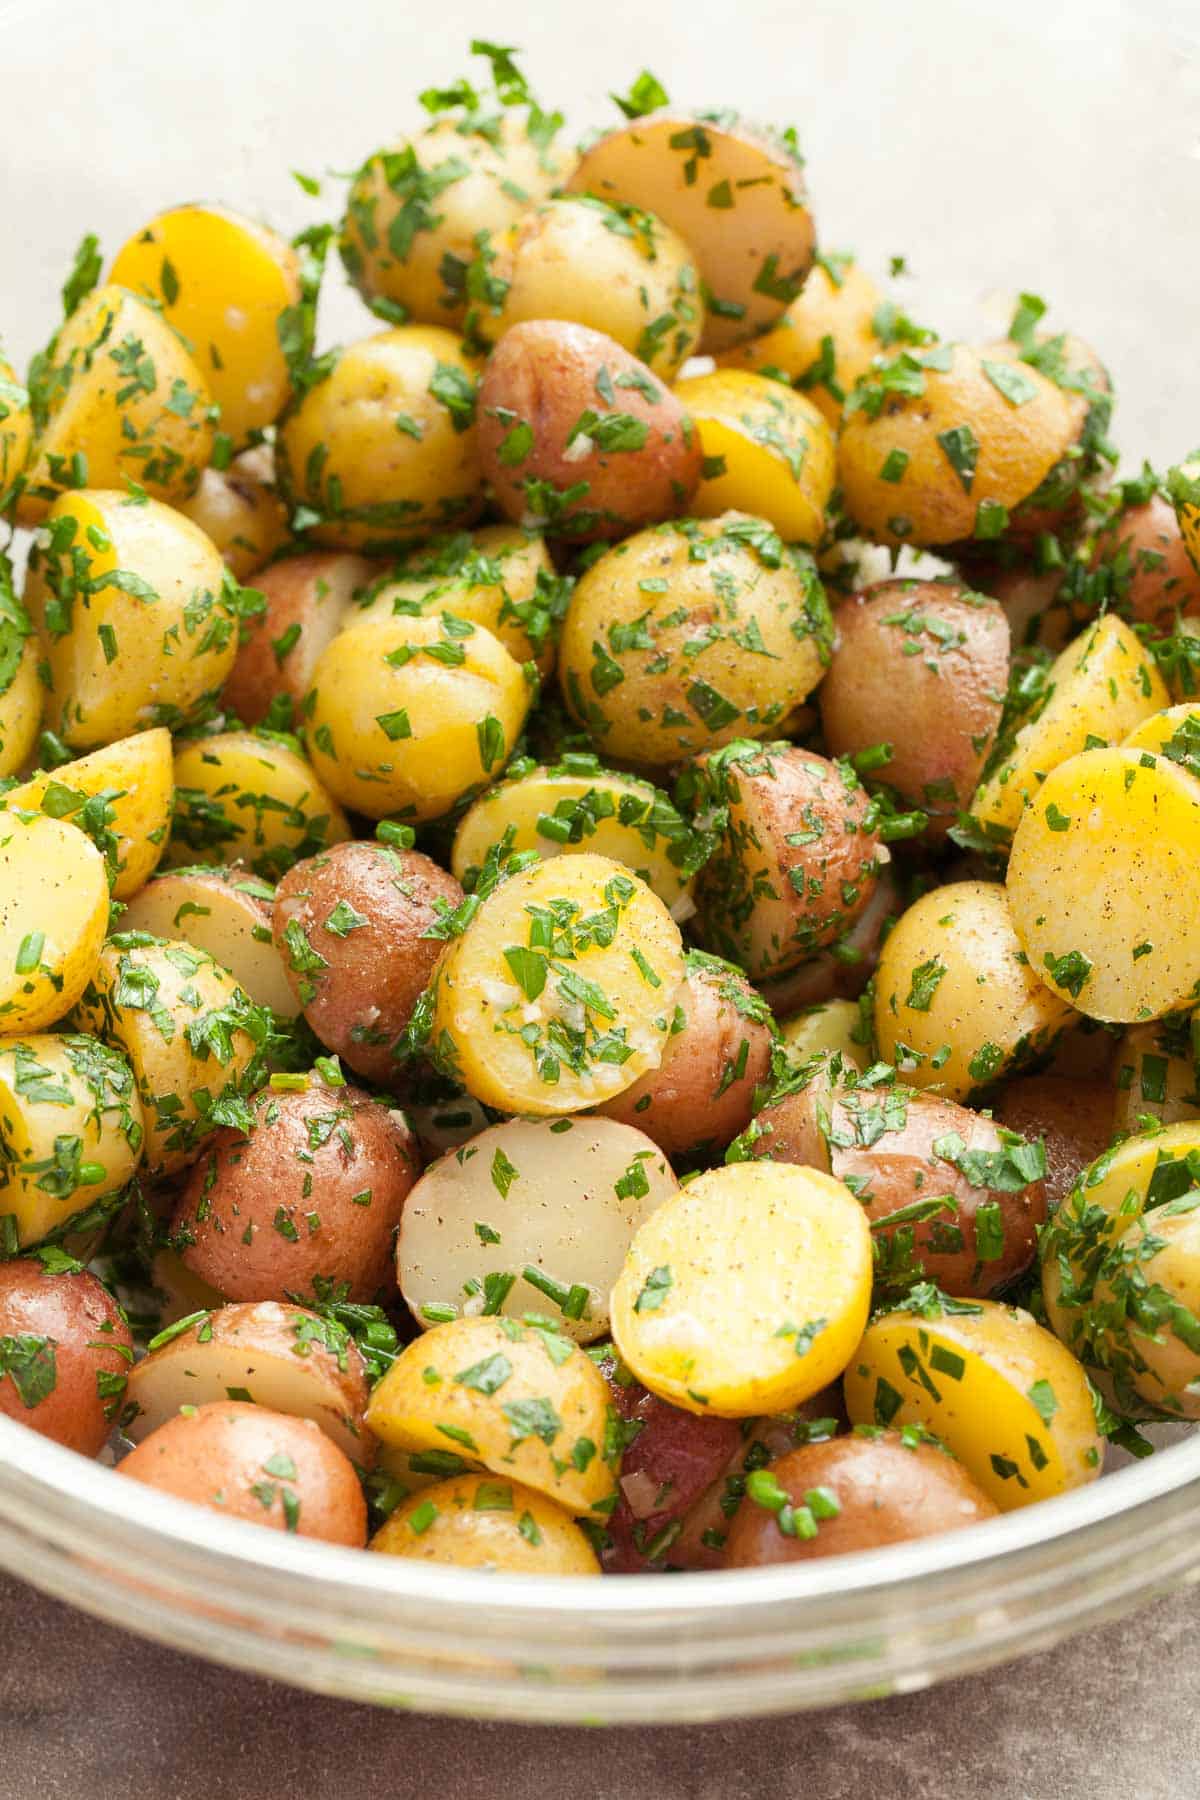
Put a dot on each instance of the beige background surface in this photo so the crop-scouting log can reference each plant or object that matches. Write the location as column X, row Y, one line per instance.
column 1046, row 144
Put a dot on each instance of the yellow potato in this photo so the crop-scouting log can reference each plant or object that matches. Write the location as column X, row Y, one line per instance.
column 831, row 1029
column 120, row 400
column 617, row 269
column 1173, row 733
column 956, row 1003
column 561, row 990
column 121, row 795
column 16, row 433
column 229, row 286
column 192, row 1036
column 72, row 1129
column 407, row 716
column 477, row 1522
column 827, row 337
column 226, row 912
column 1148, row 1300
column 499, row 576
column 934, row 450
column 1100, row 687
column 137, row 613
column 1155, row 1074
column 1099, row 862
column 732, row 190
column 241, row 797
column 521, row 1399
column 691, row 634
column 53, row 917
column 1183, row 485
column 22, row 694
column 578, row 805
column 766, row 450
column 558, row 1197
column 998, row 1390
column 424, row 216
column 240, row 510
column 747, row 1292
column 383, row 450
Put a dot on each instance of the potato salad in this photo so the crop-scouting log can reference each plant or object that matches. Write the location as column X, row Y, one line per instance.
column 596, row 963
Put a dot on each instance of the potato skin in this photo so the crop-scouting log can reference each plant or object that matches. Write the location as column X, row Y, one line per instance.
column 923, row 667
column 701, row 1094
column 558, row 384
column 898, row 1167
column 264, row 1216
column 92, row 1352
column 764, row 900
column 307, row 597
column 228, row 1456
column 1153, row 576
column 374, row 972
column 887, row 1492
column 1074, row 1120
column 239, row 509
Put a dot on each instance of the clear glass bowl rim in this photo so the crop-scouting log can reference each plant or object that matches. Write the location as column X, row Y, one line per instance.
column 691, row 1646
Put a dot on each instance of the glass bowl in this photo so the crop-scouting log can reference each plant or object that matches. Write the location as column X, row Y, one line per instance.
column 1047, row 148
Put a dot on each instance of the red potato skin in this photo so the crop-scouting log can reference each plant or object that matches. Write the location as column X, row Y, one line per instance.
column 262, row 1217
column 843, row 976
column 938, row 709
column 376, row 973
column 1074, row 1119
column 1155, row 577
column 679, row 1454
column 216, row 1455
column 887, row 1493
column 90, row 1339
column 901, row 1168
column 291, row 587
column 544, row 374
column 694, row 1101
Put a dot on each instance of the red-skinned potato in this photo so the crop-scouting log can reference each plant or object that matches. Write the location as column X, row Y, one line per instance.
column 1033, row 601
column 265, row 1467
column 65, row 1353
column 844, row 971
column 702, row 1092
column 285, row 1358
column 858, row 1492
column 566, row 410
column 921, row 666
column 968, row 1213
column 314, row 1193
column 797, row 861
column 1074, row 1120
column 1153, row 577
column 307, row 600
column 671, row 1459
column 350, row 925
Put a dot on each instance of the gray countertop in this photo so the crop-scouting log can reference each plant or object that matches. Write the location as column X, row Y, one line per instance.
column 90, row 1713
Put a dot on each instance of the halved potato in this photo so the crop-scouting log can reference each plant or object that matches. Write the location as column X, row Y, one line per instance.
column 478, row 1522
column 244, row 797
column 766, row 449
column 283, row 1357
column 131, row 783
column 307, row 600
column 561, row 1198
column 53, row 917
column 240, row 510
column 226, row 912
column 732, row 191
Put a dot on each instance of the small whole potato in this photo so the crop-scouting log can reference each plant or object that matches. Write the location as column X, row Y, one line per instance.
column 351, row 926
column 249, row 1463
column 843, row 971
column 797, row 860
column 578, row 438
column 384, row 449
column 307, row 600
column 853, row 1493
column 614, row 268
column 1073, row 1119
column 920, row 667
column 827, row 338
column 65, row 1352
column 311, row 1194
column 1153, row 578
column 702, row 1092
column 951, row 1197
